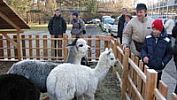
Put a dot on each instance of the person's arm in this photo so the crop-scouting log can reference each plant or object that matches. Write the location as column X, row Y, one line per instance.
column 126, row 38
column 167, row 24
column 144, row 50
column 174, row 49
column 168, row 55
column 50, row 26
column 82, row 26
column 64, row 25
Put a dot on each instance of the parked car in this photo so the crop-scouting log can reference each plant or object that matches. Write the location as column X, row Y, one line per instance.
column 106, row 24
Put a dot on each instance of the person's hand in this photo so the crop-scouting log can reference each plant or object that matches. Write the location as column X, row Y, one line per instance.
column 125, row 46
column 146, row 60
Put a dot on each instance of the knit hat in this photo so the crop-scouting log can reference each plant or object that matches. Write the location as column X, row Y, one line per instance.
column 75, row 14
column 157, row 24
column 141, row 6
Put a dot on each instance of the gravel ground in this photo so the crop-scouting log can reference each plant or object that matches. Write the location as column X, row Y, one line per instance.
column 108, row 89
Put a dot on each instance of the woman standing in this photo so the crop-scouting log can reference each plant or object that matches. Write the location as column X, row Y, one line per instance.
column 78, row 27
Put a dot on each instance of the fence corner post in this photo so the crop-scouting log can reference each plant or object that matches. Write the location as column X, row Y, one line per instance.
column 151, row 83
column 125, row 73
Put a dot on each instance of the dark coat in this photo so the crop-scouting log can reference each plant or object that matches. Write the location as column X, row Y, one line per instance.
column 157, row 50
column 175, row 51
column 121, row 25
column 57, row 25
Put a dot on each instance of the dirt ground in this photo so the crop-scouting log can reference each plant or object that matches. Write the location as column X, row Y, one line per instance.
column 108, row 89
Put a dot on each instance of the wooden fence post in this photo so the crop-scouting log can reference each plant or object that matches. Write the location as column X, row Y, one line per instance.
column 125, row 73
column 65, row 50
column 151, row 82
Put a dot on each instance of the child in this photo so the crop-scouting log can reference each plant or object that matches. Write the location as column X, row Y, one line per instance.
column 156, row 50
column 174, row 50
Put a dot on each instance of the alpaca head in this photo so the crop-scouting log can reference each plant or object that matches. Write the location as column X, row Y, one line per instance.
column 79, row 47
column 108, row 57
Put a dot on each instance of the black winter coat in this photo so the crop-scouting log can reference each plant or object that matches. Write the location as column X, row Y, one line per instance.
column 175, row 51
column 158, row 51
column 57, row 25
column 121, row 25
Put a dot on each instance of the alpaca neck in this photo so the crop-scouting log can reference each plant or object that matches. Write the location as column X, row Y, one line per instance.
column 73, row 57
column 101, row 69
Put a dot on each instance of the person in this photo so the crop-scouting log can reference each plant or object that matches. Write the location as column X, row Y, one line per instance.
column 174, row 49
column 121, row 22
column 78, row 25
column 155, row 52
column 128, row 17
column 175, row 58
column 57, row 27
column 136, row 30
column 169, row 24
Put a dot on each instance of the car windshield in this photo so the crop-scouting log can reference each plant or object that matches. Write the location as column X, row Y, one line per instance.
column 109, row 21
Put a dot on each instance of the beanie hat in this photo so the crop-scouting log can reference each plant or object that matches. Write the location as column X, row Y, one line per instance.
column 157, row 24
column 75, row 14
column 141, row 6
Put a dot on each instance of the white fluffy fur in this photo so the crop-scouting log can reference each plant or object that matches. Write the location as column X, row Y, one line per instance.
column 67, row 80
column 37, row 71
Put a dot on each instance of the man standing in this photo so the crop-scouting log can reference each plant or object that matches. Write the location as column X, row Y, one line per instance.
column 169, row 25
column 57, row 26
column 121, row 22
column 137, row 29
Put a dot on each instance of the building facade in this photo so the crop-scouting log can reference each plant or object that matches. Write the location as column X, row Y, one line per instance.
column 162, row 7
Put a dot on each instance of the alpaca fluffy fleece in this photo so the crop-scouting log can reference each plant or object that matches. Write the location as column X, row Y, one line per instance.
column 34, row 70
column 78, row 49
column 69, row 80
column 16, row 87
column 37, row 71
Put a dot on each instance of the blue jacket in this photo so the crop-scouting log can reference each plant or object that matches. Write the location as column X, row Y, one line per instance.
column 157, row 50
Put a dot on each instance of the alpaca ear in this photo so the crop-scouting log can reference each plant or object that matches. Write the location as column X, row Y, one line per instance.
column 110, row 49
column 106, row 49
column 73, row 43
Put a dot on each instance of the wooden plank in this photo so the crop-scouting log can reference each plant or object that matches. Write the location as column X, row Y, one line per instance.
column 15, row 48
column 158, row 95
column 52, row 48
column 137, row 94
column 45, row 50
column 163, row 88
column 151, row 82
column 9, row 39
column 65, row 50
column 19, row 47
column 37, row 47
column 174, row 96
column 125, row 73
column 8, row 49
column 89, row 42
column 9, row 21
column 60, row 46
column 97, row 47
column 30, row 47
column 23, row 46
column 1, row 48
column 139, row 80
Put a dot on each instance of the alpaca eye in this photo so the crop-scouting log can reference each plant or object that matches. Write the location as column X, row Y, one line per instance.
column 112, row 58
column 81, row 45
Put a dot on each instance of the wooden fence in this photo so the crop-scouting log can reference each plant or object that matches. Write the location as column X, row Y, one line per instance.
column 42, row 47
column 137, row 81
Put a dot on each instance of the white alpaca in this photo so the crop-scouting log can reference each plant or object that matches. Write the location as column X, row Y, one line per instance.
column 68, row 80
column 37, row 71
